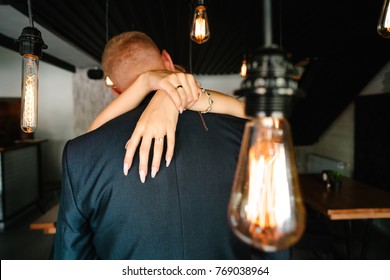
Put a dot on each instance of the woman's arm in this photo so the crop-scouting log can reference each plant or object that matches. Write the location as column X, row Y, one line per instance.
column 222, row 104
column 147, row 82
column 160, row 117
column 159, row 120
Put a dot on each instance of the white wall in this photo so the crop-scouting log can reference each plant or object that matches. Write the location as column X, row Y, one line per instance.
column 223, row 83
column 55, row 116
column 10, row 73
column 55, row 111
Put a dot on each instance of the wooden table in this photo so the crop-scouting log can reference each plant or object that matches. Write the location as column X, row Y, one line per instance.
column 47, row 222
column 352, row 200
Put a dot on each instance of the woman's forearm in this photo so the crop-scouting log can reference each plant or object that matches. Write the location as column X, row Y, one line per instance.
column 145, row 83
column 126, row 101
column 223, row 104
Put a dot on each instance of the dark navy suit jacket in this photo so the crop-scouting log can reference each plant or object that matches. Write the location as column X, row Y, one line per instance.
column 180, row 214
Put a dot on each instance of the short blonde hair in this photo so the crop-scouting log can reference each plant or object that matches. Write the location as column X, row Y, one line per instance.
column 125, row 49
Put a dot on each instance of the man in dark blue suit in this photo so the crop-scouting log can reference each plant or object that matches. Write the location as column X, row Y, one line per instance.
column 179, row 214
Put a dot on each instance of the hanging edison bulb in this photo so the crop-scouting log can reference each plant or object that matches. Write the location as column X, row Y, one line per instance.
column 244, row 68
column 30, row 47
column 383, row 27
column 200, row 32
column 266, row 208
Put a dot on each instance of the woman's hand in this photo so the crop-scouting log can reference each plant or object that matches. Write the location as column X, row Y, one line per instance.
column 181, row 87
column 158, row 120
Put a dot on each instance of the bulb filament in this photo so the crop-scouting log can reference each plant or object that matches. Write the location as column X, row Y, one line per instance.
column 29, row 113
column 29, row 108
column 268, row 203
column 200, row 29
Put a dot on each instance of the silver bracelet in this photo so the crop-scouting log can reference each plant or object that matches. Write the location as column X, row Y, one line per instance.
column 211, row 102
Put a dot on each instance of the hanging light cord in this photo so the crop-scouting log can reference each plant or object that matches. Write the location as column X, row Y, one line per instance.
column 190, row 56
column 190, row 41
column 30, row 17
column 280, row 24
column 107, row 20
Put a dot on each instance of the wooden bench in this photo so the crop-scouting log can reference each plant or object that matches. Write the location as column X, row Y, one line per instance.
column 47, row 222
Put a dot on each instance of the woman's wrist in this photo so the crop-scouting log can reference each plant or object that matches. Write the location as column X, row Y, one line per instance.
column 210, row 101
column 144, row 82
column 165, row 101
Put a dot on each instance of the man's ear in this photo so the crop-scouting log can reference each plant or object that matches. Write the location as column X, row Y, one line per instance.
column 166, row 58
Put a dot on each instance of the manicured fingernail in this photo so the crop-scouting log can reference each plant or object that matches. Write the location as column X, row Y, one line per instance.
column 181, row 110
column 142, row 176
column 126, row 144
column 154, row 172
column 126, row 168
column 168, row 161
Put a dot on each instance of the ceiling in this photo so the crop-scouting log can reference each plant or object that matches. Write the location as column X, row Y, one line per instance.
column 337, row 37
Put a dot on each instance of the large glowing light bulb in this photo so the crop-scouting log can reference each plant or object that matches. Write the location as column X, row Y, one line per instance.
column 266, row 208
column 383, row 27
column 29, row 110
column 200, row 32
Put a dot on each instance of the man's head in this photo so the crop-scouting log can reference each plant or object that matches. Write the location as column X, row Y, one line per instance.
column 128, row 55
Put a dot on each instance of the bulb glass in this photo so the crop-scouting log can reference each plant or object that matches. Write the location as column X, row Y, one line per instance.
column 29, row 98
column 266, row 208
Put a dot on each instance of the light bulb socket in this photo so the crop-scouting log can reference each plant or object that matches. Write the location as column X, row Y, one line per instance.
column 266, row 105
column 269, row 86
column 30, row 42
column 199, row 3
